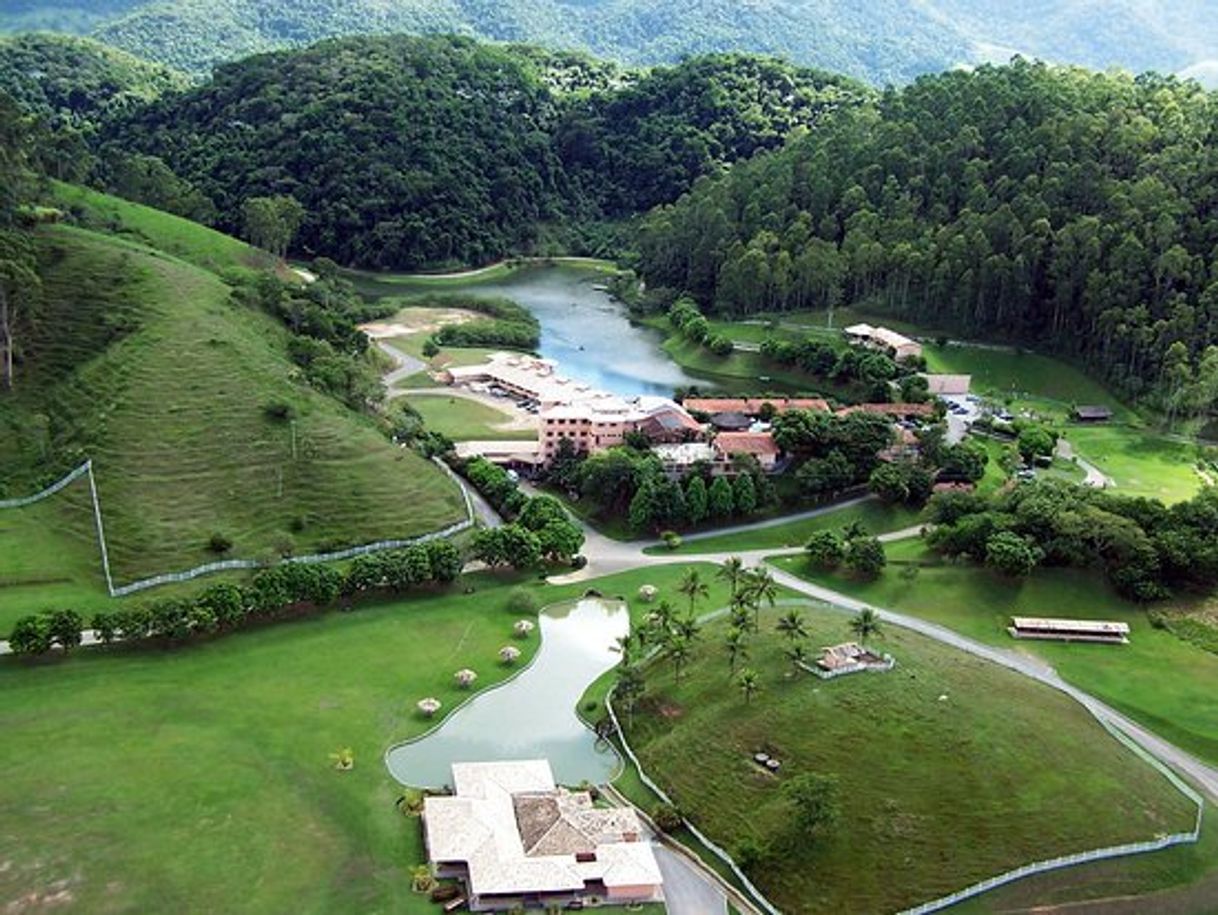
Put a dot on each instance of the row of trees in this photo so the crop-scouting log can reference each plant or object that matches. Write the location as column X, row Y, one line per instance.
column 1147, row 549
column 275, row 593
column 1040, row 204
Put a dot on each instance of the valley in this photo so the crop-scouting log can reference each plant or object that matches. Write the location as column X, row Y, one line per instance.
column 510, row 480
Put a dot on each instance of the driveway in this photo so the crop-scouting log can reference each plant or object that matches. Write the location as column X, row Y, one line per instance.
column 686, row 890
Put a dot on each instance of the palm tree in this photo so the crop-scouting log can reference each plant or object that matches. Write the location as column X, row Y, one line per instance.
column 791, row 624
column 421, row 879
column 693, row 587
column 866, row 624
column 797, row 654
column 731, row 571
column 737, row 648
column 624, row 645
column 761, row 587
column 741, row 618
column 661, row 619
column 744, row 608
column 749, row 684
column 629, row 688
column 676, row 648
column 688, row 628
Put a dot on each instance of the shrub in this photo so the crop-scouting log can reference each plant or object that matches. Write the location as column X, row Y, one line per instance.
column 219, row 544
column 430, row 349
column 522, row 602
column 280, row 411
column 666, row 817
column 63, row 627
column 748, row 853
column 671, row 539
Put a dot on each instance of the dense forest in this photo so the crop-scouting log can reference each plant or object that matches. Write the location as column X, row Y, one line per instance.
column 1051, row 206
column 420, row 151
column 77, row 81
column 880, row 41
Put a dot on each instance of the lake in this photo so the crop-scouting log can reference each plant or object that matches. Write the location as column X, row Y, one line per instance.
column 532, row 716
column 583, row 328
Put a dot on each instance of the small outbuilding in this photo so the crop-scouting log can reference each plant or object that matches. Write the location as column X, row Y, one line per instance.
column 1092, row 414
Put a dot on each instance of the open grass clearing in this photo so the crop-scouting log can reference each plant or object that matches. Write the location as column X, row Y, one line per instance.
column 1140, row 462
column 462, row 419
column 198, row 779
column 936, row 793
column 1160, row 680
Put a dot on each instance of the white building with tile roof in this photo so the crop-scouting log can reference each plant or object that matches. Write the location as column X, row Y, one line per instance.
column 514, row 838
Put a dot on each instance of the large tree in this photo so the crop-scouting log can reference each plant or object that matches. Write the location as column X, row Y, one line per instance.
column 20, row 291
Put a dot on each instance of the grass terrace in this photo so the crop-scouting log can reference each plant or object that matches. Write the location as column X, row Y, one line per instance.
column 462, row 419
column 934, row 760
column 1141, row 463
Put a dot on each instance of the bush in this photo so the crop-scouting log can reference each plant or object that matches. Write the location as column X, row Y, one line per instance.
column 748, row 853
column 671, row 539
column 522, row 602
column 280, row 411
column 30, row 636
column 219, row 544
column 667, row 817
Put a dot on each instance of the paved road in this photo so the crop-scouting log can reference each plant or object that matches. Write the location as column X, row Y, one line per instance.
column 405, row 365
column 686, row 890
column 772, row 522
column 1095, row 477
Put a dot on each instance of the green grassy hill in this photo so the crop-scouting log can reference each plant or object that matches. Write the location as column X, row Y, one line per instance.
column 144, row 363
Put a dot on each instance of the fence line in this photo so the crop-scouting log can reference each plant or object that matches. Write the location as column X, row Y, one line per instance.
column 71, row 478
column 758, row 896
column 86, row 469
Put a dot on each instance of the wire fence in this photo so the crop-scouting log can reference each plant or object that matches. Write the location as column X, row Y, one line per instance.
column 223, row 565
column 758, row 896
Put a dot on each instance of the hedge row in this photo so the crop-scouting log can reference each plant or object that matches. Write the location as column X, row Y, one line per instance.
column 279, row 592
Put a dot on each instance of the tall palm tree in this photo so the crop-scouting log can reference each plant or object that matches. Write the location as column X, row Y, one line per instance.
column 693, row 587
column 677, row 650
column 688, row 627
column 749, row 684
column 731, row 571
column 791, row 624
column 742, row 618
column 661, row 620
column 737, row 648
column 866, row 624
column 624, row 645
column 761, row 587
column 629, row 688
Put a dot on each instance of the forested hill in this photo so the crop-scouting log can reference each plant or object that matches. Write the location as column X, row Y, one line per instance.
column 880, row 41
column 421, row 151
column 1059, row 207
column 76, row 81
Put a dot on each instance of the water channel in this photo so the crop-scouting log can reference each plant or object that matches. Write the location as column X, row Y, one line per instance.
column 532, row 716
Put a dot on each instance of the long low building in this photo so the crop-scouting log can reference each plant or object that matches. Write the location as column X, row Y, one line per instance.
column 516, row 840
column 884, row 339
column 1067, row 630
column 753, row 406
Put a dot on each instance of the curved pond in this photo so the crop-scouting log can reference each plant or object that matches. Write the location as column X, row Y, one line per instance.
column 532, row 716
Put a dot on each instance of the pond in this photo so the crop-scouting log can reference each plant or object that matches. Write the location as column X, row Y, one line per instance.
column 532, row 716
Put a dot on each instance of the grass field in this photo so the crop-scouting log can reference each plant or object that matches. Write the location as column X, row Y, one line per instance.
column 198, row 780
column 1141, row 463
column 172, row 412
column 163, row 231
column 936, row 792
column 874, row 515
column 462, row 419
column 1158, row 679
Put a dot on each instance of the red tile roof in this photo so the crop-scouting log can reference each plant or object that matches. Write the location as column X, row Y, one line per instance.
column 757, row 443
column 751, row 406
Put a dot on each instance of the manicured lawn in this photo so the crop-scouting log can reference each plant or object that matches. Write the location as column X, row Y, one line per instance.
column 198, row 779
column 940, row 765
column 1142, row 463
column 174, row 417
column 1162, row 681
column 462, row 419
column 1002, row 372
column 874, row 515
